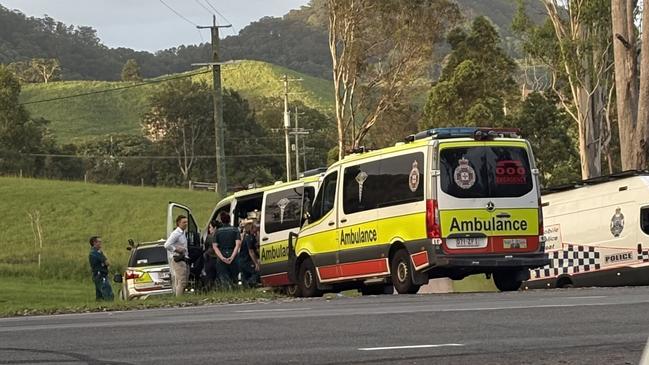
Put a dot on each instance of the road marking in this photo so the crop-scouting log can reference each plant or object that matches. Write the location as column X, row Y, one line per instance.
column 588, row 297
column 409, row 347
column 272, row 310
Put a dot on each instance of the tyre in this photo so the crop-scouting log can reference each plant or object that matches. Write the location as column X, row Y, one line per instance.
column 380, row 289
column 292, row 290
column 506, row 281
column 307, row 279
column 401, row 271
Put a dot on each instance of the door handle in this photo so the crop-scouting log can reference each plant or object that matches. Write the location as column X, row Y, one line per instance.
column 264, row 238
column 331, row 223
column 504, row 215
column 344, row 220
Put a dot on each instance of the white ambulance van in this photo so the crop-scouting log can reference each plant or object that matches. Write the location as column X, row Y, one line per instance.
column 450, row 202
column 280, row 207
column 597, row 233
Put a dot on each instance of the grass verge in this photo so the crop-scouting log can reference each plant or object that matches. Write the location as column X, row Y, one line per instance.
column 25, row 296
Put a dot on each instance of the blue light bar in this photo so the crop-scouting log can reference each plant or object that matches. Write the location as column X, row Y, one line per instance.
column 465, row 132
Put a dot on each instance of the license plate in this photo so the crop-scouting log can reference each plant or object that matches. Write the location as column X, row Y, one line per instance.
column 467, row 242
column 515, row 243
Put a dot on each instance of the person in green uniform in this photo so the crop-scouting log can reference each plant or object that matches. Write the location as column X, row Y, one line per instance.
column 249, row 256
column 99, row 267
column 227, row 243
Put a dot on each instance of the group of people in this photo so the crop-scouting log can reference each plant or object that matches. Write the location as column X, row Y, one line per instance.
column 229, row 252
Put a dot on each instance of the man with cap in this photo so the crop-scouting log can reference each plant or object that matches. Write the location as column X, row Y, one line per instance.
column 99, row 267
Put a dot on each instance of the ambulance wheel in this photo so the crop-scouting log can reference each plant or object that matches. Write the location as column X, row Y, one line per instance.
column 402, row 273
column 308, row 280
column 292, row 290
column 506, row 281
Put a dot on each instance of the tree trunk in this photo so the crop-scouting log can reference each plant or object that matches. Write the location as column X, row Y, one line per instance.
column 640, row 147
column 626, row 78
column 589, row 146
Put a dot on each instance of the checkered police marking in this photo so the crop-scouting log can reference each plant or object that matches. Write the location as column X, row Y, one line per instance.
column 572, row 259
column 644, row 256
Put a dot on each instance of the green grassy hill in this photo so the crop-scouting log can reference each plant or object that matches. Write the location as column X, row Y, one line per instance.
column 70, row 212
column 120, row 111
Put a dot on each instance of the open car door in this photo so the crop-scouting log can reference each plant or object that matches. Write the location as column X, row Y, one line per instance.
column 193, row 233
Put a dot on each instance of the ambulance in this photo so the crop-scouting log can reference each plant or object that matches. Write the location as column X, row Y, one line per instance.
column 279, row 208
column 597, row 233
column 449, row 202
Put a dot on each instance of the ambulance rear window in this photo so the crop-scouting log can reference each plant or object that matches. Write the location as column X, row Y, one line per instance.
column 485, row 172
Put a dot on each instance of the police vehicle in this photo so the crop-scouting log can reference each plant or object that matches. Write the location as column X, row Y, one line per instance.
column 147, row 272
column 597, row 233
column 450, row 202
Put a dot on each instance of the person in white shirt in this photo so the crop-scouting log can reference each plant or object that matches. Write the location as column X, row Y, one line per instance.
column 176, row 246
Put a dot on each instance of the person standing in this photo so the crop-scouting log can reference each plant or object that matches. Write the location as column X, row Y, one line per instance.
column 210, row 256
column 249, row 257
column 226, row 247
column 176, row 246
column 99, row 267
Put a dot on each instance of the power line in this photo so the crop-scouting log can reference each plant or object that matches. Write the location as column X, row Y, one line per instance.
column 115, row 89
column 219, row 13
column 203, row 6
column 177, row 13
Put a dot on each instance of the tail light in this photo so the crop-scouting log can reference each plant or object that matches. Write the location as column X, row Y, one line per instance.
column 432, row 219
column 540, row 217
column 133, row 274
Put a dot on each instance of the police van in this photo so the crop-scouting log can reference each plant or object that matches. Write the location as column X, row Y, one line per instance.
column 597, row 233
column 280, row 208
column 450, row 202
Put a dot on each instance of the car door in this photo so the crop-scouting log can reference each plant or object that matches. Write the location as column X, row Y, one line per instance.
column 193, row 233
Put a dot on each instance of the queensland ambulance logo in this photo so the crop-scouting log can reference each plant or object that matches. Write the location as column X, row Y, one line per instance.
column 464, row 175
column 282, row 204
column 413, row 180
column 360, row 179
column 617, row 222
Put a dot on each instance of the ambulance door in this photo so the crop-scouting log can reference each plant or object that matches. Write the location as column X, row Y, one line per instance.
column 192, row 233
column 487, row 197
column 318, row 238
column 359, row 249
column 281, row 214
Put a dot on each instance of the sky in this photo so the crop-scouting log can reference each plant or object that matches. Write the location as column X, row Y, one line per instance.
column 148, row 24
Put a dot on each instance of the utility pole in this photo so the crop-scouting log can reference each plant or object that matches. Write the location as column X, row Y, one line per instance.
column 287, row 124
column 297, row 149
column 217, row 96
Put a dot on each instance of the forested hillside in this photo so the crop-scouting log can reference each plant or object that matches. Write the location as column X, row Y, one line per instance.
column 297, row 41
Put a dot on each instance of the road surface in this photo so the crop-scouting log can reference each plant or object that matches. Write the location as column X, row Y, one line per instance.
column 572, row 326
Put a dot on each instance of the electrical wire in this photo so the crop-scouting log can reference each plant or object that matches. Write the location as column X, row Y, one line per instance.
column 177, row 13
column 114, row 89
column 221, row 15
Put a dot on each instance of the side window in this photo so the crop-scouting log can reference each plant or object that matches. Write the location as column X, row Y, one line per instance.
column 644, row 220
column 401, row 179
column 283, row 210
column 324, row 201
column 361, row 187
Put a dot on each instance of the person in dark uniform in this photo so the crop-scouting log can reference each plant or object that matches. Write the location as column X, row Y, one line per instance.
column 99, row 267
column 209, row 256
column 227, row 244
column 249, row 257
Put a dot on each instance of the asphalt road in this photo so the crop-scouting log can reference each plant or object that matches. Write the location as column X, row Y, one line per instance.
column 572, row 326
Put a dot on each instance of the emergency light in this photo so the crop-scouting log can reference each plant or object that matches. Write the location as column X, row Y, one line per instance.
column 477, row 133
